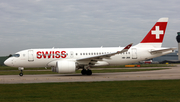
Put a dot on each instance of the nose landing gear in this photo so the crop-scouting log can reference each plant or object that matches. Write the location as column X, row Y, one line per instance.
column 21, row 69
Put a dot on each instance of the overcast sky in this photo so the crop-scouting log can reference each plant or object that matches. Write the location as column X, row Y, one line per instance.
column 28, row 24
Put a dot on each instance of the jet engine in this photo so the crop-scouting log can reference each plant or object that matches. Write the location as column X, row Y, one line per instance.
column 65, row 67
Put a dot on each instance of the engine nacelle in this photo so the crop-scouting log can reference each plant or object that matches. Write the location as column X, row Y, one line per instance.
column 65, row 67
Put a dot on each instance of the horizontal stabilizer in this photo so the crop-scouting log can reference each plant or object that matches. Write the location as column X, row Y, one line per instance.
column 163, row 50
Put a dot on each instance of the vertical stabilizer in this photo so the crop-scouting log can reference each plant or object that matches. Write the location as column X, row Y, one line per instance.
column 155, row 36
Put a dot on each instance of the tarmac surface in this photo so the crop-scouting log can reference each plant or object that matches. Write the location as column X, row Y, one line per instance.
column 172, row 73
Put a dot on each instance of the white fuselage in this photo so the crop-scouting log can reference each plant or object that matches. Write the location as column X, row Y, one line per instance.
column 45, row 57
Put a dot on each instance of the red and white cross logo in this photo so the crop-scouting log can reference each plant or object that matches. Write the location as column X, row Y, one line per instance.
column 157, row 32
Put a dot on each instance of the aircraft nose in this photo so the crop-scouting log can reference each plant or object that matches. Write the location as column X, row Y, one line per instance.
column 8, row 62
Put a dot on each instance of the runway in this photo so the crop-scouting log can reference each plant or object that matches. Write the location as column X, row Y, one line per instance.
column 172, row 73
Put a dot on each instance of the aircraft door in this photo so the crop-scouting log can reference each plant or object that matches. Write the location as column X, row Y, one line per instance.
column 30, row 56
column 134, row 53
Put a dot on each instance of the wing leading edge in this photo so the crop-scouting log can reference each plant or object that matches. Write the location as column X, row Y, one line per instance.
column 100, row 57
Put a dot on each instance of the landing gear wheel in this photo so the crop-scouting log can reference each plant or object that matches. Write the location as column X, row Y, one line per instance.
column 83, row 72
column 20, row 74
column 21, row 69
column 89, row 72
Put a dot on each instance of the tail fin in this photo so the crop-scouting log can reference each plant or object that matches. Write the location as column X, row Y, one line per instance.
column 156, row 35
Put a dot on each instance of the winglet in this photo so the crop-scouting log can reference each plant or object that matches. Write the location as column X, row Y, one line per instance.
column 125, row 48
column 128, row 46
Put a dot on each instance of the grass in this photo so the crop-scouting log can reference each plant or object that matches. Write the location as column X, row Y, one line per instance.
column 115, row 91
column 25, row 72
column 120, row 91
column 142, row 65
column 16, row 72
column 12, row 68
column 5, row 70
column 123, row 70
column 119, row 66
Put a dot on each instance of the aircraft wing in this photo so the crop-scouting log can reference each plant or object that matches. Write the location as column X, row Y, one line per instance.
column 162, row 50
column 100, row 57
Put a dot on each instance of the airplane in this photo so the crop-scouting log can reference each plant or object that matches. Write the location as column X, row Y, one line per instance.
column 68, row 60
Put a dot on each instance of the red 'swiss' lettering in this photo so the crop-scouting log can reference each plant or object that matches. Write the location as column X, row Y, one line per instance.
column 51, row 54
column 44, row 54
column 57, row 53
column 63, row 53
column 39, row 56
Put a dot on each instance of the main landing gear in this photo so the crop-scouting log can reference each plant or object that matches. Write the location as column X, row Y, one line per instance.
column 21, row 69
column 86, row 72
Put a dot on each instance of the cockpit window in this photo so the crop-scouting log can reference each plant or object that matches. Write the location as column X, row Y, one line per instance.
column 15, row 55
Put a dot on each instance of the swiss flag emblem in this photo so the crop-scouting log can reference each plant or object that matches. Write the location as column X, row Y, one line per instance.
column 156, row 34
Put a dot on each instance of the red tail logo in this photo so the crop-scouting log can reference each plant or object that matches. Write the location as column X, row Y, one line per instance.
column 156, row 34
